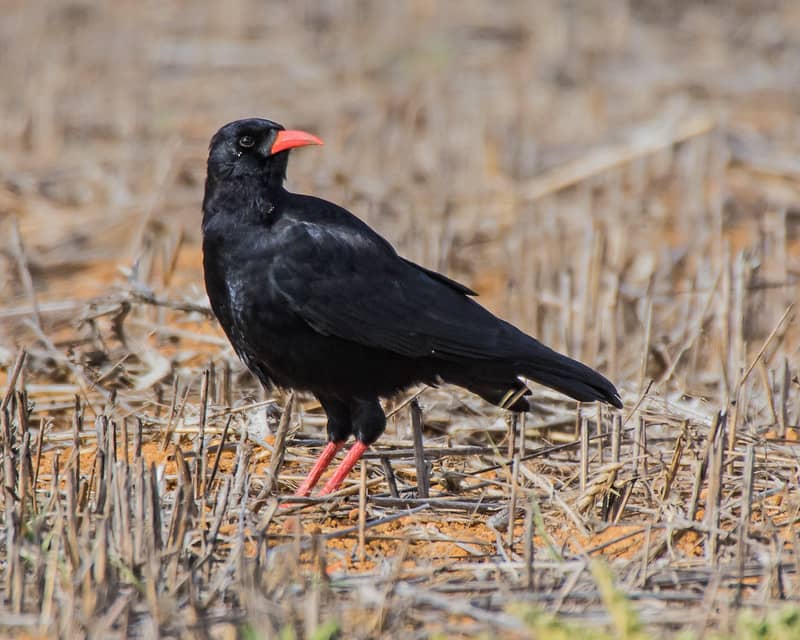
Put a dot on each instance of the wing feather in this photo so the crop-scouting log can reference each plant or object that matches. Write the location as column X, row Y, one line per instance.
column 360, row 290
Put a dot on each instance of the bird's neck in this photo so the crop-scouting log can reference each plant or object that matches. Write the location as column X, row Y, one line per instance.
column 248, row 198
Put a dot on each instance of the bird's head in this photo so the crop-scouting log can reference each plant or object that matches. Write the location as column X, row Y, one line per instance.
column 254, row 147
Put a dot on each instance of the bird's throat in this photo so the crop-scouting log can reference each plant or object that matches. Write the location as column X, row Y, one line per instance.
column 275, row 171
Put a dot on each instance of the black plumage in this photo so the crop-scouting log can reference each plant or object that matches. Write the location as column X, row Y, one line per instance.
column 312, row 298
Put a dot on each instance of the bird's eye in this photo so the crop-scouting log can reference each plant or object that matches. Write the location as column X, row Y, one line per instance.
column 247, row 141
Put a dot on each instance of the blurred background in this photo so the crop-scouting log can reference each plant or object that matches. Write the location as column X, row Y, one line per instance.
column 430, row 111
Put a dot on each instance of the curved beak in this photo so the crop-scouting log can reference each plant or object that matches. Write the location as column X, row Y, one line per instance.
column 291, row 139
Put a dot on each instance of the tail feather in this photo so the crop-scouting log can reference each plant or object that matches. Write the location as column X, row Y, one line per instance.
column 568, row 376
column 497, row 381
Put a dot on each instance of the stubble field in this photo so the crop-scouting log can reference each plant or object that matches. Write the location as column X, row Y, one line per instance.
column 620, row 179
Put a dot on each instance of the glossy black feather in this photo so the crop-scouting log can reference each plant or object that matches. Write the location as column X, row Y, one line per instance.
column 313, row 298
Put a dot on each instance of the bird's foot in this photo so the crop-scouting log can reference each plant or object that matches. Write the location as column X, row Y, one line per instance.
column 353, row 456
column 330, row 450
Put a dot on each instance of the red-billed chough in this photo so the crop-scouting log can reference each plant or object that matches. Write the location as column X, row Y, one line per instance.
column 312, row 298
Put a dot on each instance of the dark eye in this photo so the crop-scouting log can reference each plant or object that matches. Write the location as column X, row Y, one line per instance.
column 247, row 141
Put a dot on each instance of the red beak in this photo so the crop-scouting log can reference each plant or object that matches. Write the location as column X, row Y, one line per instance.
column 291, row 139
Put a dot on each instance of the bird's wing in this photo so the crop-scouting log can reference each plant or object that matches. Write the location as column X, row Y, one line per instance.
column 444, row 279
column 354, row 286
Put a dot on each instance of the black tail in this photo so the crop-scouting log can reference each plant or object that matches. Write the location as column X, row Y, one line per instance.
column 570, row 377
column 496, row 381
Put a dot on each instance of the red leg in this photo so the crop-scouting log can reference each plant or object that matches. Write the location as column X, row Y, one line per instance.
column 353, row 456
column 319, row 467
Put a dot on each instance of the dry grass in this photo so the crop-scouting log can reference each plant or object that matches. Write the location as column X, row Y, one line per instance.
column 617, row 178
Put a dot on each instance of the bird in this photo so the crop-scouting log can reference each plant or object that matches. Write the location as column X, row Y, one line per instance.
column 312, row 298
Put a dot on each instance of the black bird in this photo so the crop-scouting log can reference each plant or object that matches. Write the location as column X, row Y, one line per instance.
column 312, row 298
